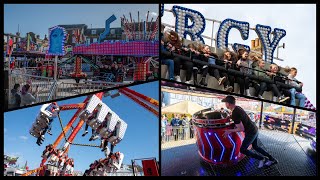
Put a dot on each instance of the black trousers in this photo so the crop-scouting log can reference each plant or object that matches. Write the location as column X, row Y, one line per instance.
column 243, row 83
column 267, row 87
column 186, row 65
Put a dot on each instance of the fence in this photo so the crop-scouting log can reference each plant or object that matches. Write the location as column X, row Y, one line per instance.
column 176, row 133
column 49, row 89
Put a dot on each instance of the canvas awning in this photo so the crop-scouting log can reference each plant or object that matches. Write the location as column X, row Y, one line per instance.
column 184, row 107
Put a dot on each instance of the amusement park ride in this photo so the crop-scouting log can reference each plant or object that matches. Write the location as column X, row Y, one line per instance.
column 96, row 114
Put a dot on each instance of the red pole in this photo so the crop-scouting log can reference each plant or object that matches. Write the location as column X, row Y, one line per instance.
column 151, row 100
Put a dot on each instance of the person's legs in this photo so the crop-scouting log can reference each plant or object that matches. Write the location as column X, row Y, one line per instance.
column 231, row 80
column 249, row 139
column 275, row 90
column 204, row 73
column 240, row 81
column 260, row 150
column 293, row 96
column 188, row 65
column 263, row 87
column 86, row 130
column 302, row 99
column 176, row 66
column 170, row 64
column 195, row 74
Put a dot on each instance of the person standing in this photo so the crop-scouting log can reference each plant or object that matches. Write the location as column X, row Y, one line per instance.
column 243, row 123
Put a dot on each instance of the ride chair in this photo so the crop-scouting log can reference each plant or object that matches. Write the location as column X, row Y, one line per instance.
column 120, row 131
column 91, row 105
column 106, row 131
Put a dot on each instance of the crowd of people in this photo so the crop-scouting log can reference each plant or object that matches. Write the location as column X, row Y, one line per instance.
column 242, row 61
column 179, row 127
column 22, row 96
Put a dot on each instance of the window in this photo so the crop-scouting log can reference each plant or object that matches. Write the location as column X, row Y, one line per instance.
column 94, row 40
column 88, row 41
column 93, row 31
column 112, row 31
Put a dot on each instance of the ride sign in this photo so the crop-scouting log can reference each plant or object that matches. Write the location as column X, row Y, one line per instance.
column 198, row 24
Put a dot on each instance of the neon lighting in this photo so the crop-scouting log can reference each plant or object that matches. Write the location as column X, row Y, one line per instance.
column 234, row 145
column 223, row 148
column 209, row 145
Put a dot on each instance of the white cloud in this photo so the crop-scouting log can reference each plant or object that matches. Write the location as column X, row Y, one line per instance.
column 152, row 14
column 299, row 21
column 24, row 138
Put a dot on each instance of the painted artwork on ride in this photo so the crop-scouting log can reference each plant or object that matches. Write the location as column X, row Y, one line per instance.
column 92, row 135
column 227, row 51
column 204, row 133
column 60, row 59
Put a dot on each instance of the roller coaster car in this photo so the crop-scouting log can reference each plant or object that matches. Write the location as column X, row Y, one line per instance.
column 120, row 131
column 91, row 105
column 105, row 132
column 101, row 115
column 116, row 161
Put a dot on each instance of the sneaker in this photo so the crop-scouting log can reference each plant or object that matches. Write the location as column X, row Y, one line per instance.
column 49, row 132
column 222, row 80
column 261, row 163
column 228, row 88
column 188, row 82
column 259, row 96
column 95, row 137
column 248, row 92
column 178, row 78
column 86, row 132
column 283, row 98
column 91, row 138
column 42, row 137
column 274, row 98
column 271, row 162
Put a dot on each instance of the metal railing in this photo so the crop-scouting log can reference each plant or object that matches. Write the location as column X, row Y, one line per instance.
column 177, row 133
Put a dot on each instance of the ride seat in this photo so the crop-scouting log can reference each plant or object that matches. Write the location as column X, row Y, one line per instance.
column 116, row 163
column 46, row 111
column 120, row 131
column 102, row 113
column 91, row 105
column 110, row 126
column 42, row 122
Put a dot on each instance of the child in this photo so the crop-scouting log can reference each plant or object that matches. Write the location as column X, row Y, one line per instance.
column 210, row 57
column 243, row 65
column 267, row 86
column 166, row 59
column 296, row 93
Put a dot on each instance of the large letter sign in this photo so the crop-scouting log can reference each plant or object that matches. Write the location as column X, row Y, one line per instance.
column 224, row 29
column 107, row 28
column 268, row 46
column 57, row 37
column 183, row 28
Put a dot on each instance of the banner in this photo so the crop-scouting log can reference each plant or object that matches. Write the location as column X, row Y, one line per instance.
column 150, row 167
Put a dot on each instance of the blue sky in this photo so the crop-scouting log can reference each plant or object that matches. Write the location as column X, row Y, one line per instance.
column 38, row 18
column 140, row 141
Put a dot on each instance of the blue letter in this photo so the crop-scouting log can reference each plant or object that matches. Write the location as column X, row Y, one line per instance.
column 183, row 28
column 268, row 46
column 224, row 29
